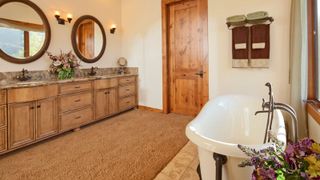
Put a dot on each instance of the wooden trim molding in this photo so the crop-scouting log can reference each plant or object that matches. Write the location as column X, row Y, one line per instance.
column 22, row 25
column 314, row 112
column 311, row 51
column 146, row 108
column 165, row 51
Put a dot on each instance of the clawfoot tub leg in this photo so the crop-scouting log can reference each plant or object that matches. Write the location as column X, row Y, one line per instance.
column 199, row 171
column 220, row 161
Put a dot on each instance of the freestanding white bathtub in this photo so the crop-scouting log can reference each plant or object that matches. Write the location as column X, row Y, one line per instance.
column 226, row 122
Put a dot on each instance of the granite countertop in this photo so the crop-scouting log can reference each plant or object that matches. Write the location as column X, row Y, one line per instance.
column 31, row 83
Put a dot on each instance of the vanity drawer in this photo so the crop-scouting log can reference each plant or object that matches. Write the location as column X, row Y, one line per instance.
column 128, row 90
column 32, row 93
column 20, row 95
column 76, row 119
column 75, row 87
column 3, row 116
column 127, row 103
column 3, row 139
column 74, row 101
column 106, row 83
column 126, row 80
column 3, row 97
column 43, row 92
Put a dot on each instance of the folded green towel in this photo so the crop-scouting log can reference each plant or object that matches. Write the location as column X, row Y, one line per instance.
column 257, row 15
column 235, row 19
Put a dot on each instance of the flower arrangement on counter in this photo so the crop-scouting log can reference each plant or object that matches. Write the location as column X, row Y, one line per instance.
column 298, row 161
column 63, row 65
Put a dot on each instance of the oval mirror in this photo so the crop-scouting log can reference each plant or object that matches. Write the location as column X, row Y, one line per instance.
column 24, row 31
column 88, row 39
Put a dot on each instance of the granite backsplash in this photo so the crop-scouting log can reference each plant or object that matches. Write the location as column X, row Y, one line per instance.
column 10, row 77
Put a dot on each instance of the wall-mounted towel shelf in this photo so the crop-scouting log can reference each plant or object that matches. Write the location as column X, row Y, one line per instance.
column 267, row 20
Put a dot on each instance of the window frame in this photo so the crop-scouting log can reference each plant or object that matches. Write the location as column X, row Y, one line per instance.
column 313, row 105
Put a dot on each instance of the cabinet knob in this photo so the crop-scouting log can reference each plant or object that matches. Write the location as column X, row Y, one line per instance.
column 32, row 107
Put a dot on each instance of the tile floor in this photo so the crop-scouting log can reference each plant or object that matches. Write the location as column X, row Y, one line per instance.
column 183, row 166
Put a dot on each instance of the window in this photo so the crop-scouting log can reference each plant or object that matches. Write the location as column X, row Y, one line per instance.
column 19, row 43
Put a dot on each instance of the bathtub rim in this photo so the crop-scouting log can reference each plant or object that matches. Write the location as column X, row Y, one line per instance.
column 231, row 149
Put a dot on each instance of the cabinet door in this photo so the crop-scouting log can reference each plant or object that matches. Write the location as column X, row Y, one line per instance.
column 47, row 119
column 112, row 101
column 101, row 104
column 21, row 124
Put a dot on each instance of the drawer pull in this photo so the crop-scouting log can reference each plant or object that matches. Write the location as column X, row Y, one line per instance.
column 39, row 106
column 78, row 100
column 77, row 87
column 127, row 89
column 107, row 92
column 78, row 117
column 31, row 107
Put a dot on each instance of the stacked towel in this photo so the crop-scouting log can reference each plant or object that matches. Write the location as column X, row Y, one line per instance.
column 236, row 19
column 257, row 15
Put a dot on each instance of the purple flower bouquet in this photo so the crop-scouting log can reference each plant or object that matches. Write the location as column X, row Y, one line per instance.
column 63, row 65
column 299, row 161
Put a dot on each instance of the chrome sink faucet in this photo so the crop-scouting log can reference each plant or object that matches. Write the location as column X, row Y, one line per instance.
column 271, row 106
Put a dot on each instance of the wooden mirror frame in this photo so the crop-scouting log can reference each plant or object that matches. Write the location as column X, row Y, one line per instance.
column 46, row 42
column 74, row 39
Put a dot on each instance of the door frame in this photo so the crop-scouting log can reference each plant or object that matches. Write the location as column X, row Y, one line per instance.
column 165, row 51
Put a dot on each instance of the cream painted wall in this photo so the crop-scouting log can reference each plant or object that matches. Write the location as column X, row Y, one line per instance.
column 314, row 127
column 141, row 44
column 107, row 11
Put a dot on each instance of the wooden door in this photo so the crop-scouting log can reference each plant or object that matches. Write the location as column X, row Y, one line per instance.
column 188, row 90
column 47, row 119
column 21, row 124
column 86, row 39
column 112, row 101
column 101, row 104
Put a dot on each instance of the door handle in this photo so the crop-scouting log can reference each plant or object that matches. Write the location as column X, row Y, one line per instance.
column 200, row 73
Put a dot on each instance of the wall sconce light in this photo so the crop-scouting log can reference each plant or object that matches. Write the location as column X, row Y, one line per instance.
column 60, row 20
column 113, row 29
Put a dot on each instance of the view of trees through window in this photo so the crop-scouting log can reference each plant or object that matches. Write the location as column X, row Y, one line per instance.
column 13, row 42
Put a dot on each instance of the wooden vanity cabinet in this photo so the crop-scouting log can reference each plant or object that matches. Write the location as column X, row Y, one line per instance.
column 127, row 93
column 106, row 103
column 21, row 124
column 32, row 114
column 34, row 119
column 75, row 105
column 106, row 98
column 47, row 118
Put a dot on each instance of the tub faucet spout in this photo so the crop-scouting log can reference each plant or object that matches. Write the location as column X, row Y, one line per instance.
column 260, row 112
column 271, row 106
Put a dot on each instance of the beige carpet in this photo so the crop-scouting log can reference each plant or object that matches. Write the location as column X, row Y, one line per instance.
column 134, row 145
